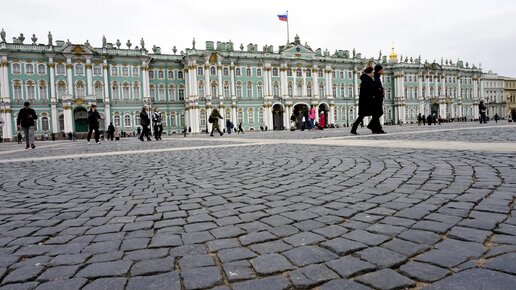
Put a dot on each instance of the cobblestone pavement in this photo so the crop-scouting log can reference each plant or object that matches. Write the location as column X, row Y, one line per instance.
column 271, row 210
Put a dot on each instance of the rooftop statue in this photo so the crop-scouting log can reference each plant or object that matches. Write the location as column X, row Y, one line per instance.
column 49, row 38
column 21, row 38
column 142, row 43
column 193, row 43
column 104, row 41
column 34, row 39
column 129, row 44
column 118, row 43
column 2, row 35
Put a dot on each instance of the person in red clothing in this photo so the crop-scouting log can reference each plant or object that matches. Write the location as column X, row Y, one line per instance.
column 322, row 120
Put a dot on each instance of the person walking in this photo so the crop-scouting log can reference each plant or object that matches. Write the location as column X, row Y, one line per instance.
column 118, row 132
column 482, row 111
column 365, row 98
column 312, row 116
column 229, row 126
column 377, row 105
column 19, row 137
column 110, row 131
column 145, row 122
column 303, row 121
column 240, row 129
column 93, row 123
column 26, row 118
column 157, row 121
column 496, row 117
column 419, row 119
column 214, row 120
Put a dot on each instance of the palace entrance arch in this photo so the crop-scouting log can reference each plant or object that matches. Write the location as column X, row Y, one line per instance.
column 277, row 117
column 80, row 118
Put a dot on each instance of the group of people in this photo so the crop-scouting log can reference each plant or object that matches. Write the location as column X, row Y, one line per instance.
column 307, row 119
column 145, row 121
column 370, row 102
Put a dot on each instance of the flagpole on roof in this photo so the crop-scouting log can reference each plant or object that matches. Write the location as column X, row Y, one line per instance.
column 288, row 39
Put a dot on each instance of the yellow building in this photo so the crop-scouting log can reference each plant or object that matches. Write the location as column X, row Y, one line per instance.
column 510, row 96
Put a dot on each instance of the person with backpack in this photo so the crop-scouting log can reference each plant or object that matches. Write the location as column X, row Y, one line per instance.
column 214, row 120
column 26, row 118
column 145, row 122
column 93, row 123
column 229, row 126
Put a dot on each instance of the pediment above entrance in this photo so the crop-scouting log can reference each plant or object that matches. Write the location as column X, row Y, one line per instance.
column 78, row 49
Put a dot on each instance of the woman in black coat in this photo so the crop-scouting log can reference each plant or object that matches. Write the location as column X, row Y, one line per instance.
column 145, row 122
column 93, row 123
column 365, row 99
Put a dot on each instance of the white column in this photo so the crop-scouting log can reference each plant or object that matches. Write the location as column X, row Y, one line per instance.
column 7, row 130
column 420, row 94
column 265, row 83
column 195, row 87
column 232, row 77
column 475, row 98
column 107, row 85
column 268, row 73
column 69, row 76
column 219, row 76
column 284, row 81
column 304, row 93
column 207, row 87
column 89, row 77
column 315, row 87
column 68, row 120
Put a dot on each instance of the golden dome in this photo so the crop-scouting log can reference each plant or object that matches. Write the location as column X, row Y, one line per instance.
column 393, row 56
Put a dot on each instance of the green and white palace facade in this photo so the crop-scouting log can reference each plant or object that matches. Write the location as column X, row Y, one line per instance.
column 258, row 87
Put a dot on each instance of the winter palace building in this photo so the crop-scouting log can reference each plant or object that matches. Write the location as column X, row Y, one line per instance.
column 260, row 87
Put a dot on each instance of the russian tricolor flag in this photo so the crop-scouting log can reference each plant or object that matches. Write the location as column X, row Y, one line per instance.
column 283, row 17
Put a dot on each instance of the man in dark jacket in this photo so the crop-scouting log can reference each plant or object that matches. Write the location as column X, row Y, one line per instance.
column 110, row 131
column 365, row 99
column 145, row 122
column 25, row 121
column 482, row 111
column 93, row 123
column 377, row 105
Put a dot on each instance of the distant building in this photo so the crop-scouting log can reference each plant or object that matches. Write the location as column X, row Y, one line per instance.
column 510, row 95
column 493, row 94
column 252, row 86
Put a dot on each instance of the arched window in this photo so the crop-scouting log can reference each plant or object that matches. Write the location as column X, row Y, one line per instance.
column 227, row 114
column 126, row 90
column 79, row 69
column 99, row 90
column 182, row 120
column 161, row 75
column 31, row 90
column 16, row 68
column 238, row 72
column 320, row 73
column 97, row 70
column 137, row 120
column 61, row 89
column 342, row 91
column 213, row 90
column 136, row 91
column 290, row 89
column 299, row 90
column 275, row 89
column 250, row 116
column 116, row 91
column 29, row 69
column 161, row 92
column 200, row 70
column 79, row 89
column 289, row 72
column 173, row 121
column 114, row 71
column 334, row 90
column 350, row 91
column 180, row 75
column 202, row 118
column 136, row 72
column 321, row 90
column 238, row 87
column 127, row 121
column 309, row 90
column 248, row 72
column 41, row 69
column 238, row 90
column 200, row 87
column 170, row 74
column 249, row 90
column 17, row 86
column 117, row 120
column 259, row 72
column 225, row 71
column 60, row 69
column 181, row 93
column 259, row 90
column 213, row 71
column 44, row 124
column 308, row 73
column 299, row 72
column 275, row 72
column 260, row 116
column 240, row 116
column 172, row 92
column 152, row 91
column 151, row 74
column 125, row 71
column 43, row 94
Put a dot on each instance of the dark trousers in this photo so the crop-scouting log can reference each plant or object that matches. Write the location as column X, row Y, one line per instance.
column 110, row 136
column 357, row 122
column 158, row 129
column 213, row 129
column 145, row 132
column 374, row 124
column 483, row 118
column 96, row 134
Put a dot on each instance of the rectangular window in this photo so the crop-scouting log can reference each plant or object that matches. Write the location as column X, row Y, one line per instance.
column 136, row 72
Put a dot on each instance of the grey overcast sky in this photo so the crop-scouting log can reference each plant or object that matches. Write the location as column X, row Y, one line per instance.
column 475, row 31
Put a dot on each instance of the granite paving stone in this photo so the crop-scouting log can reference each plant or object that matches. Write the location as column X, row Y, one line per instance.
column 386, row 279
column 423, row 272
column 339, row 284
column 201, row 278
column 106, row 284
column 476, row 279
column 349, row 266
column 169, row 280
column 311, row 275
column 271, row 264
